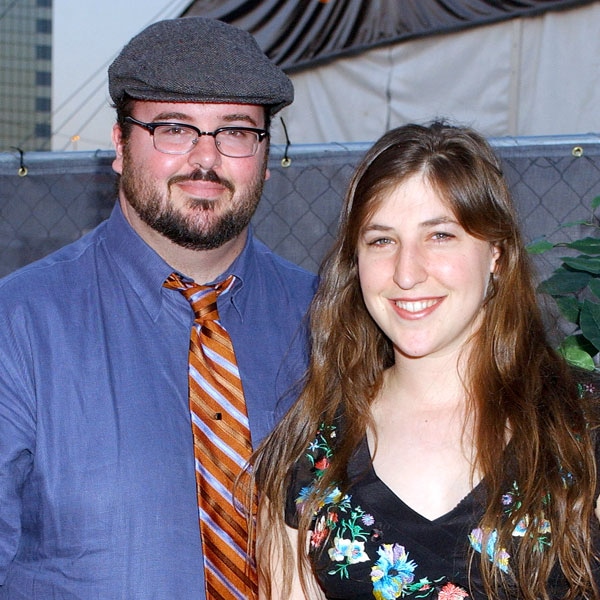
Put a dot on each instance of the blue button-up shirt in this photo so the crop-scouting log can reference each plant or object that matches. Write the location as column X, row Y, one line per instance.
column 97, row 484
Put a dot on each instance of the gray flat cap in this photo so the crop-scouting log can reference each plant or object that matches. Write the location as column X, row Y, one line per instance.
column 193, row 59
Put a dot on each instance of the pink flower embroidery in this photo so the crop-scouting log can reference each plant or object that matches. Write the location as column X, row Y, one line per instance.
column 452, row 592
column 320, row 533
column 322, row 464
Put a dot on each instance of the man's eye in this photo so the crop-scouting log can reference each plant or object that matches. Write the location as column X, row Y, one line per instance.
column 236, row 133
column 175, row 131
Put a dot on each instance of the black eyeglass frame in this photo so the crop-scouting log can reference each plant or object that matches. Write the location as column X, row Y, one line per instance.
column 150, row 127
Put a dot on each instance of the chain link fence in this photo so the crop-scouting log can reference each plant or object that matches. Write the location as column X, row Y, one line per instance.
column 50, row 199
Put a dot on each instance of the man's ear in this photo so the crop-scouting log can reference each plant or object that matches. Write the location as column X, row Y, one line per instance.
column 117, row 139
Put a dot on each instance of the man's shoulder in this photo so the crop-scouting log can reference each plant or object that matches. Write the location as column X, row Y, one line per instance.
column 59, row 267
column 271, row 261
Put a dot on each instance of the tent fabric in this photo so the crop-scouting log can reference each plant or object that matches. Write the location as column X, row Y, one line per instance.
column 521, row 77
column 297, row 34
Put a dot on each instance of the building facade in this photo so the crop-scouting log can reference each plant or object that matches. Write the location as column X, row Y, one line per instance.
column 25, row 75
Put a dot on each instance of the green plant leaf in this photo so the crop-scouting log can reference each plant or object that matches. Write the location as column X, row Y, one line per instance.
column 589, row 321
column 594, row 286
column 575, row 286
column 583, row 262
column 580, row 341
column 563, row 282
column 539, row 247
column 569, row 308
column 587, row 245
column 578, row 351
column 574, row 224
column 575, row 355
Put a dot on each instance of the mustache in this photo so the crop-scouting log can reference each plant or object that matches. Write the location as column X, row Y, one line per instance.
column 200, row 175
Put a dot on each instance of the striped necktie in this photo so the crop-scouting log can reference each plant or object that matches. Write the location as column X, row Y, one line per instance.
column 222, row 444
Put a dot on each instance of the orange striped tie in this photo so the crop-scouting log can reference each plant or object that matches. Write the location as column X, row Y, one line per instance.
column 221, row 444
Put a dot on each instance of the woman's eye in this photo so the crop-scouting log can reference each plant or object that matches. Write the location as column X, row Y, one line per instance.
column 441, row 236
column 379, row 241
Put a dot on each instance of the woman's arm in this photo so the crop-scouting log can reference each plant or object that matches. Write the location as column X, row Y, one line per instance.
column 273, row 570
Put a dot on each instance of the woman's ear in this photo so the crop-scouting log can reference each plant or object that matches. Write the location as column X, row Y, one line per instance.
column 496, row 253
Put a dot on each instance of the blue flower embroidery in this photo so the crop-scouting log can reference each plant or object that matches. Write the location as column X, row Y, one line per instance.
column 498, row 557
column 511, row 502
column 346, row 528
column 333, row 497
column 368, row 520
column 391, row 572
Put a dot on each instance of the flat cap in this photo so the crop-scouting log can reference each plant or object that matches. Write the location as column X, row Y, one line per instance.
column 194, row 59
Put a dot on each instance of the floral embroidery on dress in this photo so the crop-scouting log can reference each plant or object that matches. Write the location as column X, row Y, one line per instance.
column 353, row 547
column 391, row 572
column 452, row 592
column 347, row 523
column 586, row 388
column 511, row 502
column 350, row 527
column 500, row 557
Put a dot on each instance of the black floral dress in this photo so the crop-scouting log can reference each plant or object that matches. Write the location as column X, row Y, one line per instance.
column 366, row 543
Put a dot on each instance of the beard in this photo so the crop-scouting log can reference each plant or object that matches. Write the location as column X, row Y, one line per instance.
column 199, row 229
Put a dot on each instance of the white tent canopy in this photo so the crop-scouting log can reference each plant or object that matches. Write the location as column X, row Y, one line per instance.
column 525, row 76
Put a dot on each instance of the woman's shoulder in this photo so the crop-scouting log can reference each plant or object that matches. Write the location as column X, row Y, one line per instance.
column 309, row 469
column 588, row 382
column 588, row 387
column 318, row 454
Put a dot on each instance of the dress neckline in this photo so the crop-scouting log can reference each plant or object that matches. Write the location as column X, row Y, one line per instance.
column 363, row 468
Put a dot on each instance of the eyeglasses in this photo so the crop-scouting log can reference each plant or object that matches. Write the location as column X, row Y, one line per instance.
column 177, row 138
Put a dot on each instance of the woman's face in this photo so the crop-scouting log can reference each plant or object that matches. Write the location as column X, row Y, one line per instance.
column 422, row 276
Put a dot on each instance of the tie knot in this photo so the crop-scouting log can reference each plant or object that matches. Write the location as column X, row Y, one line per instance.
column 203, row 298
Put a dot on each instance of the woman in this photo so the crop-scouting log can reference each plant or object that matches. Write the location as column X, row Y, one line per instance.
column 440, row 447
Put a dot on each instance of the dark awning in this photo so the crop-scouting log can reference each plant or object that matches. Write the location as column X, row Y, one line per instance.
column 300, row 33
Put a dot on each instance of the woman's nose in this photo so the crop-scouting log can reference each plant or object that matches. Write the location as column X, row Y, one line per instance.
column 410, row 268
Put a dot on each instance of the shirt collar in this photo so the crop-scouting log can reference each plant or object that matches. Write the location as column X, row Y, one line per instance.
column 146, row 271
column 243, row 268
column 143, row 268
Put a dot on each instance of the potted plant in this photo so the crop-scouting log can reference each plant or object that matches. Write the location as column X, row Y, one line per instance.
column 575, row 286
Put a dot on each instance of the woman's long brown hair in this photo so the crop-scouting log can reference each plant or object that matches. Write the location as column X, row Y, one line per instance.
column 517, row 387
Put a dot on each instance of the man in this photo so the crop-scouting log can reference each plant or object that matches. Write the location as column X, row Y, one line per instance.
column 98, row 490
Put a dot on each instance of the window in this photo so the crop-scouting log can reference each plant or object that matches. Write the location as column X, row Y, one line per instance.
column 43, row 105
column 43, row 78
column 43, row 26
column 43, row 52
column 42, row 130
